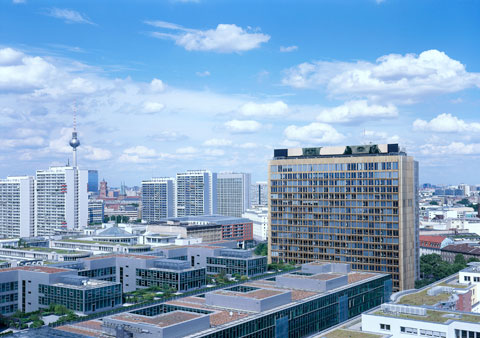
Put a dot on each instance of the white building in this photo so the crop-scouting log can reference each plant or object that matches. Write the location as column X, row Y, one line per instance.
column 61, row 200
column 233, row 193
column 17, row 206
column 259, row 216
column 196, row 193
column 158, row 199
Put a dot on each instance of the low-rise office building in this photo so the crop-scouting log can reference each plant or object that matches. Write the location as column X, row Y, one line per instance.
column 41, row 253
column 242, row 262
column 98, row 247
column 323, row 295
column 30, row 288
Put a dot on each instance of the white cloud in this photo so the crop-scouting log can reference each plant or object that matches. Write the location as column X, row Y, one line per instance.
column 157, row 85
column 225, row 38
column 313, row 133
column 187, row 150
column 214, row 152
column 169, row 136
column 10, row 57
column 217, row 142
column 356, row 111
column 203, row 74
column 34, row 141
column 138, row 154
column 243, row 126
column 153, row 107
column 404, row 77
column 446, row 123
column 69, row 16
column 97, row 154
column 288, row 49
column 19, row 1
column 379, row 136
column 273, row 109
column 248, row 145
column 452, row 149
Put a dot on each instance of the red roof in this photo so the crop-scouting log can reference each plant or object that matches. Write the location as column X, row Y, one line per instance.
column 431, row 241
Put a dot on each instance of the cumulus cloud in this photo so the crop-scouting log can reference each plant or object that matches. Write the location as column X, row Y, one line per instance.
column 313, row 133
column 69, row 16
column 153, row 107
column 382, row 136
column 273, row 109
column 97, row 154
column 214, row 152
column 157, row 85
column 186, row 150
column 452, row 149
column 404, row 77
column 34, row 141
column 243, row 126
column 138, row 154
column 217, row 142
column 446, row 123
column 356, row 111
column 225, row 38
column 169, row 136
column 288, row 49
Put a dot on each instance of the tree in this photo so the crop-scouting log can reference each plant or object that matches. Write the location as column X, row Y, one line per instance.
column 464, row 201
column 433, row 203
column 106, row 219
column 113, row 218
column 460, row 259
column 118, row 219
column 261, row 249
column 125, row 219
column 37, row 323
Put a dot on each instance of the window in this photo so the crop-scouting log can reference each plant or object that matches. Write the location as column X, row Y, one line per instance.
column 408, row 330
column 466, row 278
column 385, row 327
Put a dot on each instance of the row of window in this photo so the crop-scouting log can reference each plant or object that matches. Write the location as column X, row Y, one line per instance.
column 335, row 167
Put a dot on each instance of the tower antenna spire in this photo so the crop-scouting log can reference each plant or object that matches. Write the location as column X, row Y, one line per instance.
column 74, row 142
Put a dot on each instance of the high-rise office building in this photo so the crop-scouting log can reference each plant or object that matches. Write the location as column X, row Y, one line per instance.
column 17, row 206
column 96, row 211
column 233, row 193
column 158, row 199
column 259, row 194
column 93, row 181
column 61, row 200
column 196, row 193
column 354, row 204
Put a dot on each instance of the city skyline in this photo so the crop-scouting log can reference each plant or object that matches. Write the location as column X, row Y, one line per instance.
column 202, row 85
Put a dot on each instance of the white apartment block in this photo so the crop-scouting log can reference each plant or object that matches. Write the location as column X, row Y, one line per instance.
column 158, row 199
column 233, row 193
column 61, row 200
column 196, row 193
column 259, row 194
column 259, row 216
column 17, row 206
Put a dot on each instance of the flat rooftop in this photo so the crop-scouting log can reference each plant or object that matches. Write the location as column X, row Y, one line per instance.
column 434, row 316
column 90, row 284
column 36, row 268
column 122, row 255
column 257, row 294
column 162, row 320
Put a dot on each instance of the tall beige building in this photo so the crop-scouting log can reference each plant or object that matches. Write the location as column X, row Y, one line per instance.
column 353, row 204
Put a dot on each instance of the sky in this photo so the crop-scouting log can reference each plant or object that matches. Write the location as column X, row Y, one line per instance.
column 161, row 87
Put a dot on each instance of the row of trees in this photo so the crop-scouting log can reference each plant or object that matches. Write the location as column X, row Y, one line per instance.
column 433, row 268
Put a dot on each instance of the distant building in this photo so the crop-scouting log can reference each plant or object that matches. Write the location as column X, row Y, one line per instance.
column 259, row 194
column 259, row 216
column 93, row 181
column 196, row 193
column 433, row 244
column 103, row 189
column 17, row 206
column 158, row 199
column 61, row 200
column 96, row 211
column 233, row 193
column 210, row 228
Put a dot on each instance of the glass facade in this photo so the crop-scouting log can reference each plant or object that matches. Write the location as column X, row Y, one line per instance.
column 227, row 265
column 178, row 280
column 107, row 273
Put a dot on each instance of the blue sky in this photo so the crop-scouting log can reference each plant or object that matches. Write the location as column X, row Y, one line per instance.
column 165, row 86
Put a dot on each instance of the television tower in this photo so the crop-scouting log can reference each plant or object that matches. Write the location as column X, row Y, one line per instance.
column 74, row 142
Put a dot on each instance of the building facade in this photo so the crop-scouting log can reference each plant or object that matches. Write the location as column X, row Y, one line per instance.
column 158, row 199
column 259, row 217
column 259, row 194
column 93, row 181
column 96, row 211
column 17, row 207
column 196, row 193
column 61, row 200
column 354, row 204
column 233, row 193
